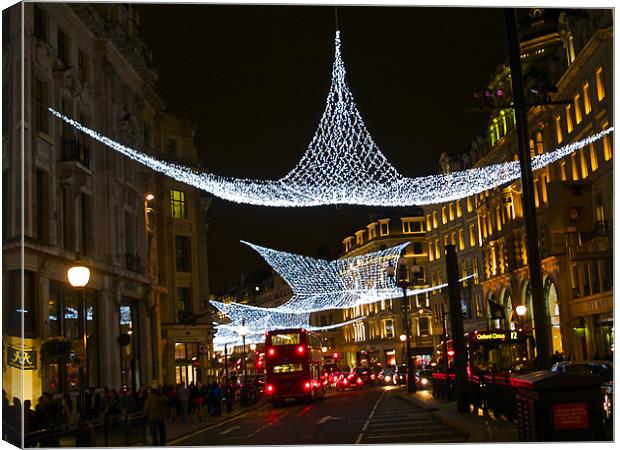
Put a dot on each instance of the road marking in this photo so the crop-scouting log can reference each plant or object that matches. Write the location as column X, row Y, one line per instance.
column 361, row 435
column 210, row 427
column 277, row 419
column 230, row 429
column 326, row 418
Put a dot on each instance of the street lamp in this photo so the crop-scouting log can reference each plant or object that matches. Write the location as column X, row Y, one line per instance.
column 243, row 332
column 521, row 312
column 402, row 281
column 78, row 275
column 253, row 346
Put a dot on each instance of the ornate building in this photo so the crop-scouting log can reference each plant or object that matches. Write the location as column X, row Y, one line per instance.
column 570, row 51
column 79, row 198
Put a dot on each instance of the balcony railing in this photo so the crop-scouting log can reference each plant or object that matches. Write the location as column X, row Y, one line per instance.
column 73, row 150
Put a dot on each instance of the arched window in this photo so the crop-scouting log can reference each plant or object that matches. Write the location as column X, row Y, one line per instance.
column 553, row 311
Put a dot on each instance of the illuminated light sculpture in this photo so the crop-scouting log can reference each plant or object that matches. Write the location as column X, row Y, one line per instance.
column 317, row 285
column 342, row 165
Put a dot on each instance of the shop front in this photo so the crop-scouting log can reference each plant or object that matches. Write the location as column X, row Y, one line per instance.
column 593, row 326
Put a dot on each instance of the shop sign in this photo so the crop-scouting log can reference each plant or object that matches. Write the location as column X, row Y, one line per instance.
column 19, row 359
column 570, row 416
column 496, row 336
column 600, row 305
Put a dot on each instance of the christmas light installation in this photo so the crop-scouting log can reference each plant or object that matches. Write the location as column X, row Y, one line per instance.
column 342, row 165
column 318, row 285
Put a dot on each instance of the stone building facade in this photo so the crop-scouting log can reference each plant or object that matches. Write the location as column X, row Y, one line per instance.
column 81, row 199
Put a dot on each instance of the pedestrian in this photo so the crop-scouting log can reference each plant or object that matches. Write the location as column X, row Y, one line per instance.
column 229, row 393
column 198, row 400
column 155, row 407
column 171, row 393
column 183, row 400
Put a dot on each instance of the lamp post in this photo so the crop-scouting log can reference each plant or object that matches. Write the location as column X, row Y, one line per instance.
column 403, row 283
column 78, row 276
column 403, row 338
column 243, row 332
column 521, row 312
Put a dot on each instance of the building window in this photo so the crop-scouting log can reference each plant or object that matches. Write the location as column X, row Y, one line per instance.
column 40, row 25
column 40, row 101
column 451, row 211
column 19, row 310
column 459, row 211
column 600, row 86
column 417, row 248
column 569, row 119
column 433, row 281
column 183, row 253
column 558, row 128
column 389, row 329
column 184, row 301
column 171, row 147
column 444, row 215
column 583, row 163
column 437, row 253
column 435, row 219
column 178, row 204
column 412, row 227
column 431, row 255
column 423, row 325
column 359, row 238
column 593, row 157
column 86, row 225
column 563, row 175
column 573, row 164
column 384, row 228
column 474, row 270
column 577, row 109
column 587, row 106
column 469, row 204
column 82, row 66
column 472, row 235
column 428, row 222
column 607, row 154
column 63, row 47
column 461, row 240
column 540, row 146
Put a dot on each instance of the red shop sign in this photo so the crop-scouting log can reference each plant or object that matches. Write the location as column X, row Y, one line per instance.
column 570, row 416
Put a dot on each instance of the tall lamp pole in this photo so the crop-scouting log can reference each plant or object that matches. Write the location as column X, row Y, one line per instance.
column 78, row 276
column 402, row 282
column 543, row 347
column 243, row 332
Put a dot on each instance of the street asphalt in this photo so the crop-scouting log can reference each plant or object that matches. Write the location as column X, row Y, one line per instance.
column 371, row 415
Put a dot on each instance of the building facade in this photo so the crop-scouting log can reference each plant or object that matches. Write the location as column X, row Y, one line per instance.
column 572, row 52
column 82, row 200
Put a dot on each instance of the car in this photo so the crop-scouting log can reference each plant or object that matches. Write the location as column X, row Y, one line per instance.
column 424, row 379
column 375, row 373
column 400, row 376
column 349, row 380
column 364, row 374
column 603, row 369
column 386, row 377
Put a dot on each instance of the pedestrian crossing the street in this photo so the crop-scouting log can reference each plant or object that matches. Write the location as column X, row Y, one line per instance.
column 396, row 421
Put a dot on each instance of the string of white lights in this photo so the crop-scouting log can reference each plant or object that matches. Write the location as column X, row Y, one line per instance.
column 342, row 165
column 320, row 285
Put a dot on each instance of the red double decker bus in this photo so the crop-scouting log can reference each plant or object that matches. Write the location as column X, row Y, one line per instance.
column 293, row 365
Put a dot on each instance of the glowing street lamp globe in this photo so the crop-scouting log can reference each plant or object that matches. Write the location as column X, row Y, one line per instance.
column 403, row 337
column 252, row 346
column 521, row 310
column 243, row 330
column 78, row 275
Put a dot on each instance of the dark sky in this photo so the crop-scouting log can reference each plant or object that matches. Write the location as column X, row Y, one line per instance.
column 254, row 79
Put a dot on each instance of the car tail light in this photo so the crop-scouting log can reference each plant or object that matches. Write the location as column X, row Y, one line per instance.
column 372, row 377
column 345, row 381
column 359, row 381
column 388, row 378
column 301, row 349
column 270, row 389
column 307, row 385
column 271, row 351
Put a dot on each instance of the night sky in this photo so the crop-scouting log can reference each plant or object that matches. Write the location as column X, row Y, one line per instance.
column 254, row 79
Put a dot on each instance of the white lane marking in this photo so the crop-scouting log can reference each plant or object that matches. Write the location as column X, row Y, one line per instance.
column 230, row 429
column 359, row 437
column 326, row 418
column 277, row 419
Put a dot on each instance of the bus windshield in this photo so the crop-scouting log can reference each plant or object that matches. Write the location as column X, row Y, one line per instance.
column 284, row 339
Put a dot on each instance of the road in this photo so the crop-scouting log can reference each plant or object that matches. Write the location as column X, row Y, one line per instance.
column 372, row 415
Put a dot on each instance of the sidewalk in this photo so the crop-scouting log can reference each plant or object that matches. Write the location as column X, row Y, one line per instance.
column 477, row 428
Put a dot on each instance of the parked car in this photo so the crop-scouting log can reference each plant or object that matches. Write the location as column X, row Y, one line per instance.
column 603, row 369
column 349, row 380
column 424, row 379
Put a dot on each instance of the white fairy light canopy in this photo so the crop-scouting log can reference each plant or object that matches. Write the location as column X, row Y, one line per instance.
column 342, row 165
column 317, row 285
